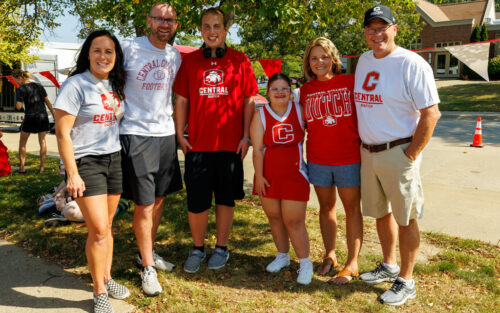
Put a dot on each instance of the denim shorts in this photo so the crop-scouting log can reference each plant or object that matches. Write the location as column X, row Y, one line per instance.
column 342, row 176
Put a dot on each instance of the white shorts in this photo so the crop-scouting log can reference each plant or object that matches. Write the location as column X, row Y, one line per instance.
column 390, row 182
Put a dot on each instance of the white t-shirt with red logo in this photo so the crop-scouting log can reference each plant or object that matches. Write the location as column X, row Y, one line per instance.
column 95, row 131
column 332, row 127
column 148, row 92
column 215, row 89
column 389, row 92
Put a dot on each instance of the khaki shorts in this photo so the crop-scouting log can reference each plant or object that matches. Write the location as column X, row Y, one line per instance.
column 390, row 182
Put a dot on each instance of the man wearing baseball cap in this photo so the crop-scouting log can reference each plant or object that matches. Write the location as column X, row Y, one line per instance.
column 396, row 102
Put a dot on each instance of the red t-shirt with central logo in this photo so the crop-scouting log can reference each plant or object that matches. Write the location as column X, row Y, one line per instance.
column 332, row 126
column 215, row 89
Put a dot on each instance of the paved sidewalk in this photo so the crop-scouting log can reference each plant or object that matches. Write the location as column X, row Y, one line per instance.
column 30, row 285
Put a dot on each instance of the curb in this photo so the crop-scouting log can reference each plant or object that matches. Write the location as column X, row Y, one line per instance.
column 460, row 115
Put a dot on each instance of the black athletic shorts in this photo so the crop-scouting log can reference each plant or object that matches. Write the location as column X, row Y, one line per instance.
column 102, row 174
column 150, row 168
column 218, row 172
column 35, row 124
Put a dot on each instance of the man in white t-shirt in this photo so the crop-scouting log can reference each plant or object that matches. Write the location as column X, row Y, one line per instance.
column 147, row 134
column 396, row 102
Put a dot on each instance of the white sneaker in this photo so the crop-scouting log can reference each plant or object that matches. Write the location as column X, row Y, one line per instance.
column 161, row 264
column 278, row 263
column 305, row 273
column 150, row 284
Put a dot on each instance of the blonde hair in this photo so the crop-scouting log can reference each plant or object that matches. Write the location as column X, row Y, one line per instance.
column 18, row 73
column 330, row 50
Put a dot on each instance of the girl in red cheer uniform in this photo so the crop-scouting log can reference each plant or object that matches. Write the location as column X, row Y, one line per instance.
column 277, row 133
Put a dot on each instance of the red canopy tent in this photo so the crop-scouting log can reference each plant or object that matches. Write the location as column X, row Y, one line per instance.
column 185, row 49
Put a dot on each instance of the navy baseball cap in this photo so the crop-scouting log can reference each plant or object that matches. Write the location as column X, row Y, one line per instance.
column 381, row 12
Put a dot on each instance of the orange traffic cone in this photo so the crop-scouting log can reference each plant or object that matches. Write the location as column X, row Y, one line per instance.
column 478, row 135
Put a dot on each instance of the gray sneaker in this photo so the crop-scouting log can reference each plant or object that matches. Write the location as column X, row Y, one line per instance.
column 218, row 258
column 160, row 263
column 399, row 293
column 192, row 264
column 150, row 284
column 56, row 220
column 380, row 274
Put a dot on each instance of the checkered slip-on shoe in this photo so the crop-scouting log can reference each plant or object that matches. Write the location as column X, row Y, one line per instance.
column 117, row 291
column 101, row 304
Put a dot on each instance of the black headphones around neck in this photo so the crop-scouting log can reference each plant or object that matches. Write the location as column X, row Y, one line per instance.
column 219, row 52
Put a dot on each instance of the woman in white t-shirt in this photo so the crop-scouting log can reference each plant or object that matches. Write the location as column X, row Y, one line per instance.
column 89, row 146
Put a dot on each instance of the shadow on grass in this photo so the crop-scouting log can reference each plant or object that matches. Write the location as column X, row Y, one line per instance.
column 473, row 97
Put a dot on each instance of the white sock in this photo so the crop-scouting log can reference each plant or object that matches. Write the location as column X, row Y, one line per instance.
column 410, row 282
column 391, row 266
column 304, row 261
column 282, row 255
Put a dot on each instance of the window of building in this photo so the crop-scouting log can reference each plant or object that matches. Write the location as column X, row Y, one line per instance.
column 416, row 44
column 447, row 44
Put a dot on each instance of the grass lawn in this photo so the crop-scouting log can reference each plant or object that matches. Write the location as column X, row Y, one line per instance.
column 472, row 97
column 452, row 275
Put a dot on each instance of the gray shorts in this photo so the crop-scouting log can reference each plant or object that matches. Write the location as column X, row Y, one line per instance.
column 390, row 182
column 102, row 174
column 150, row 168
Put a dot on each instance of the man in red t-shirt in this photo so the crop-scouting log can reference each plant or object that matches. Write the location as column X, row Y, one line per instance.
column 215, row 87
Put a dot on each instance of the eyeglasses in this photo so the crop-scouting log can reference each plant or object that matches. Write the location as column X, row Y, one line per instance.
column 374, row 31
column 161, row 20
column 275, row 90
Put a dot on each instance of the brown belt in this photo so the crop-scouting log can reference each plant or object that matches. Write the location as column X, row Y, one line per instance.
column 387, row 145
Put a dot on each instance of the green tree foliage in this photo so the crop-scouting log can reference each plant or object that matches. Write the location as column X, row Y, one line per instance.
column 277, row 35
column 269, row 28
column 476, row 34
column 272, row 28
column 21, row 24
column 484, row 33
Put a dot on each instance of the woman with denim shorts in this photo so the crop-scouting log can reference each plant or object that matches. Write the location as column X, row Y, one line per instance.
column 87, row 108
column 333, row 153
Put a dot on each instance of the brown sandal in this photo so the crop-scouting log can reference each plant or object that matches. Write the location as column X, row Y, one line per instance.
column 345, row 273
column 328, row 264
